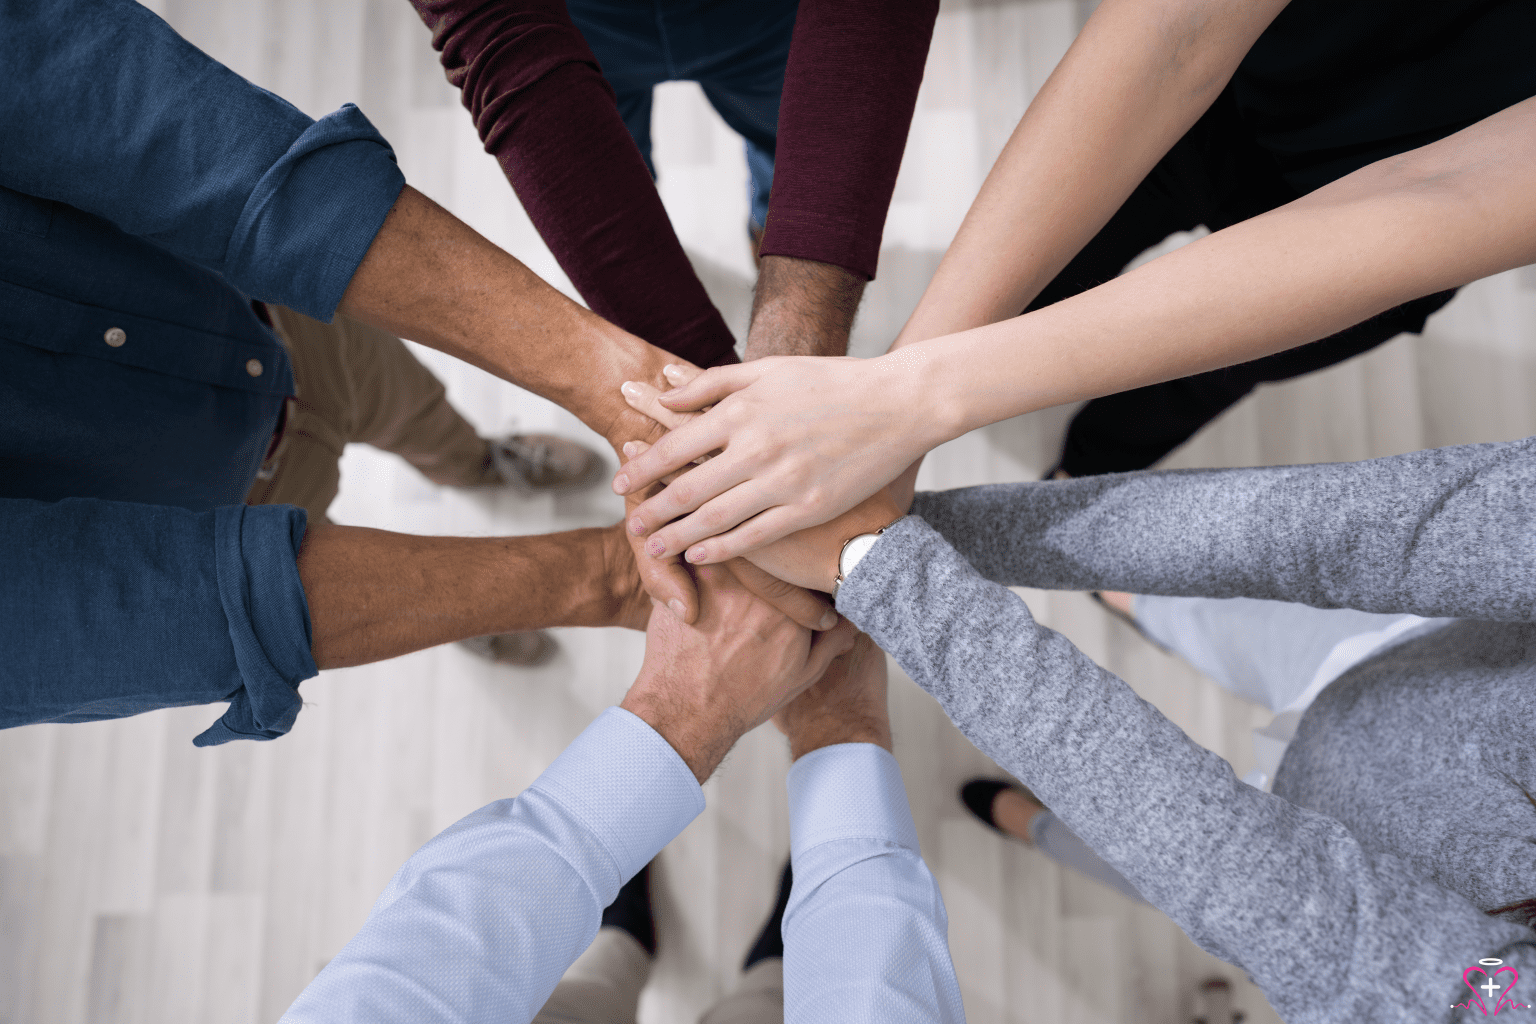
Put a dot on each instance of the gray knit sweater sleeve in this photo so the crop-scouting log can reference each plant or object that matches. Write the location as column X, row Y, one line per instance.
column 1329, row 929
column 1447, row 532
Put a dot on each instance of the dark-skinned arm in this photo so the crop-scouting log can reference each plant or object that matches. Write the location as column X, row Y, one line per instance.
column 373, row 594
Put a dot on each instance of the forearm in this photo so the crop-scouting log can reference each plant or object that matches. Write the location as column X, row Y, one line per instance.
column 374, row 595
column 1444, row 532
column 1430, row 220
column 433, row 279
column 1283, row 892
column 481, row 922
column 545, row 112
column 802, row 308
column 1137, row 77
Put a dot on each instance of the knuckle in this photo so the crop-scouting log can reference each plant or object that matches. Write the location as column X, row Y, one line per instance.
column 680, row 494
column 712, row 517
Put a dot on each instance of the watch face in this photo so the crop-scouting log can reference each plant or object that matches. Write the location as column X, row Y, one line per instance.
column 855, row 550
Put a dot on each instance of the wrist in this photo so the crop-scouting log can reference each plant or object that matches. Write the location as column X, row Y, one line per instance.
column 596, row 366
column 872, row 515
column 802, row 308
column 932, row 386
column 604, row 588
column 866, row 729
column 700, row 738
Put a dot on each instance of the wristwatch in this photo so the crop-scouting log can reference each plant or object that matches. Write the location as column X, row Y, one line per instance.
column 853, row 550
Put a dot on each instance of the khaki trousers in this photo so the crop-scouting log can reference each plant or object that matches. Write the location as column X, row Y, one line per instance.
column 356, row 383
column 603, row 987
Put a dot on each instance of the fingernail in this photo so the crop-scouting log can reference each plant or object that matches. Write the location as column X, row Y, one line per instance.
column 829, row 620
column 629, row 450
column 655, row 548
column 677, row 608
column 696, row 554
column 637, row 526
column 621, row 483
column 671, row 372
column 630, row 389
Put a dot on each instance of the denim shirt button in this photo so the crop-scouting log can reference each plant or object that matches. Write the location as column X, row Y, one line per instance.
column 253, row 367
column 115, row 337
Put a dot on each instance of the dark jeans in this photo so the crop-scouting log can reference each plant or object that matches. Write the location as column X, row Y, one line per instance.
column 1217, row 176
column 734, row 49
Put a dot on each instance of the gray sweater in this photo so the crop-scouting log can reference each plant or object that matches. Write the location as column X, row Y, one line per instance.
column 1359, row 890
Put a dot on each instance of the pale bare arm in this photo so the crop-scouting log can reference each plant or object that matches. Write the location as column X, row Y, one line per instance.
column 1434, row 218
column 1137, row 77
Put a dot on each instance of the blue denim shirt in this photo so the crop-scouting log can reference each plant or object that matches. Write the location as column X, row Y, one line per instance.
column 146, row 194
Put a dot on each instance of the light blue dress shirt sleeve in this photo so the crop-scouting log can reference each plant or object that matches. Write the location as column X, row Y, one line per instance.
column 865, row 933
column 480, row 924
column 482, row 921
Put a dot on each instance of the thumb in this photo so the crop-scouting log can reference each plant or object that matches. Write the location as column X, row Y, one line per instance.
column 827, row 645
column 668, row 582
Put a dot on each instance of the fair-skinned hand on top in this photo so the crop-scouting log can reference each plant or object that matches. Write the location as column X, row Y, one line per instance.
column 807, row 558
column 703, row 687
column 803, row 439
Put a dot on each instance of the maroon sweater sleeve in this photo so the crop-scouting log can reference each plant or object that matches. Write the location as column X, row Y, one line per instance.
column 849, row 91
column 545, row 112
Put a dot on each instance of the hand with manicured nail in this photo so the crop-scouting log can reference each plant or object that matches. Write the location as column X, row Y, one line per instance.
column 808, row 557
column 801, row 440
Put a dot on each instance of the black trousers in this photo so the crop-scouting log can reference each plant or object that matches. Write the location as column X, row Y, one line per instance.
column 1217, row 176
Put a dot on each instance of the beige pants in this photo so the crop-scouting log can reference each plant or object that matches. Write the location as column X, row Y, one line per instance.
column 603, row 987
column 358, row 383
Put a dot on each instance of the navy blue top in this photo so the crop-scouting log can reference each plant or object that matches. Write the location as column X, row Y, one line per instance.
column 146, row 194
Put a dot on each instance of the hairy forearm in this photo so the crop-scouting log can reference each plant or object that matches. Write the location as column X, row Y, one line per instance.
column 431, row 278
column 802, row 308
column 374, row 595
column 1137, row 77
column 1436, row 218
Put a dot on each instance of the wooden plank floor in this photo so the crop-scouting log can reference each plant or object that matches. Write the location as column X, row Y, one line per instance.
column 143, row 881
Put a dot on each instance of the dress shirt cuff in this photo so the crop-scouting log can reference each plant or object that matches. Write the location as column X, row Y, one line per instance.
column 257, row 550
column 314, row 214
column 848, row 791
column 624, row 783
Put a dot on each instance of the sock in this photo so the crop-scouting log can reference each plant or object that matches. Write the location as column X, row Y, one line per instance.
column 770, row 941
column 631, row 911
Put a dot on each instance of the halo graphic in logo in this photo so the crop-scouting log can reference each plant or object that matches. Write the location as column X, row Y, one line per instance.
column 1497, row 991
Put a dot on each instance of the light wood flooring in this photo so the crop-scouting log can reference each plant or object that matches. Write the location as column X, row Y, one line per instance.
column 143, row 881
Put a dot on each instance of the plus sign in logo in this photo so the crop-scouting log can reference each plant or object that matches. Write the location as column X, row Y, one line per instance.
column 1499, row 981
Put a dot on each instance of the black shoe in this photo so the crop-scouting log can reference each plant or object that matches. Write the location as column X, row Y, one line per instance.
column 631, row 911
column 770, row 941
column 979, row 794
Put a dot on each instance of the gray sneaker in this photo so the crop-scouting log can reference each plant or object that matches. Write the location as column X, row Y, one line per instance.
column 533, row 463
column 525, row 650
